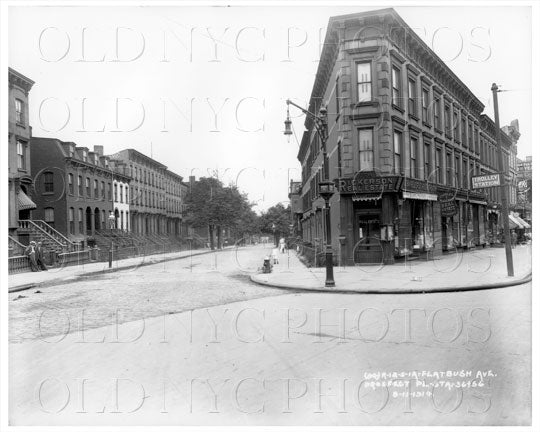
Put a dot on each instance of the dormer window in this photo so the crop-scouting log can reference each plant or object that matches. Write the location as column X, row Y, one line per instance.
column 84, row 156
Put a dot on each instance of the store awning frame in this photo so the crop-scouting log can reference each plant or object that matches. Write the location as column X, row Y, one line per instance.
column 514, row 222
column 424, row 196
column 367, row 197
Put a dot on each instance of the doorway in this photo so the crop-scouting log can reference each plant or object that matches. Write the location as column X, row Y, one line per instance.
column 368, row 248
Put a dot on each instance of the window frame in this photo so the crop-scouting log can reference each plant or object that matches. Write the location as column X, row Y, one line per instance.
column 412, row 99
column 21, row 155
column 397, row 91
column 359, row 83
column 48, row 182
column 19, row 112
column 413, row 156
column 368, row 150
column 397, row 155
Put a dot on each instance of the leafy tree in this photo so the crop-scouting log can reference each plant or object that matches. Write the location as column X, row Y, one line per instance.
column 210, row 204
column 277, row 221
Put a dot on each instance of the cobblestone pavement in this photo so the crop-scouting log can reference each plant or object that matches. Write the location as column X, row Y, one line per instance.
column 129, row 295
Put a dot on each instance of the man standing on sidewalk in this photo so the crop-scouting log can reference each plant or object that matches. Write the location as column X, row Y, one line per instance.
column 30, row 252
column 39, row 257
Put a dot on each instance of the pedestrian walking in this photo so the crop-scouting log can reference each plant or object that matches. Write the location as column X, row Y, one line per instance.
column 513, row 239
column 30, row 252
column 40, row 258
column 282, row 245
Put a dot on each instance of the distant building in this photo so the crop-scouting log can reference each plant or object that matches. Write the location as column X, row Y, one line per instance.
column 523, row 205
column 512, row 131
column 156, row 194
column 295, row 203
column 20, row 203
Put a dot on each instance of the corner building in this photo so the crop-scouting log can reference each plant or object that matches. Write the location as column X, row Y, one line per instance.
column 405, row 135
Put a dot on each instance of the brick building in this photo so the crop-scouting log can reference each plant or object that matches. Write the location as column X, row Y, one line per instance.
column 20, row 183
column 156, row 200
column 74, row 188
column 405, row 135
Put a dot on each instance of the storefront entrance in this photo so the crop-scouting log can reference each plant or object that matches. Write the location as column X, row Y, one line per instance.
column 368, row 248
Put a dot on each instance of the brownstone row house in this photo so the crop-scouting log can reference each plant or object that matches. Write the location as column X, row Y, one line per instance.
column 76, row 189
column 405, row 136
column 20, row 203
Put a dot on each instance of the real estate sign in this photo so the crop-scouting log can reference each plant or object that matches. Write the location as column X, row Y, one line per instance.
column 484, row 181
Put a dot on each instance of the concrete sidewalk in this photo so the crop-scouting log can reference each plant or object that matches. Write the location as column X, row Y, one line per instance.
column 477, row 269
column 60, row 275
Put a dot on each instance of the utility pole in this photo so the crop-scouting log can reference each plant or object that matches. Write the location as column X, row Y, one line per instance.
column 503, row 189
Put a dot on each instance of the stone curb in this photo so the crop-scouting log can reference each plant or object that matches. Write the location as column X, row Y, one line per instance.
column 298, row 288
column 73, row 278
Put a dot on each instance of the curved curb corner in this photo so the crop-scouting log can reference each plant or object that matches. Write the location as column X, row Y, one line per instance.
column 299, row 288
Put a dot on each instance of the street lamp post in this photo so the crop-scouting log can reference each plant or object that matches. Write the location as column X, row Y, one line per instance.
column 503, row 189
column 326, row 187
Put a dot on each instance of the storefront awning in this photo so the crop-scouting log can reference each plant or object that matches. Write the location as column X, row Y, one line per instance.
column 522, row 222
column 24, row 202
column 420, row 196
column 367, row 197
column 514, row 222
column 478, row 202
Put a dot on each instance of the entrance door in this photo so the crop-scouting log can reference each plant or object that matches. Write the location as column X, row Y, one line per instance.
column 368, row 248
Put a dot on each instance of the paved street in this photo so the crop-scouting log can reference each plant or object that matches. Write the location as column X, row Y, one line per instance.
column 198, row 343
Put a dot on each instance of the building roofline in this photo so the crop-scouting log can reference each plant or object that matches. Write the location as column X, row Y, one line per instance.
column 327, row 50
column 20, row 76
column 142, row 155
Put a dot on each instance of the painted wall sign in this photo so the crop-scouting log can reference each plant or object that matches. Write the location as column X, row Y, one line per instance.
column 488, row 180
column 367, row 183
column 449, row 206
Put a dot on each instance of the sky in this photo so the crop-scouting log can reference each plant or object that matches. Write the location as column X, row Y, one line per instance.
column 203, row 89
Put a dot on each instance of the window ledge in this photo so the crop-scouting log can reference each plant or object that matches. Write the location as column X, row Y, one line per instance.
column 397, row 107
column 414, row 117
column 426, row 124
column 366, row 103
column 47, row 193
